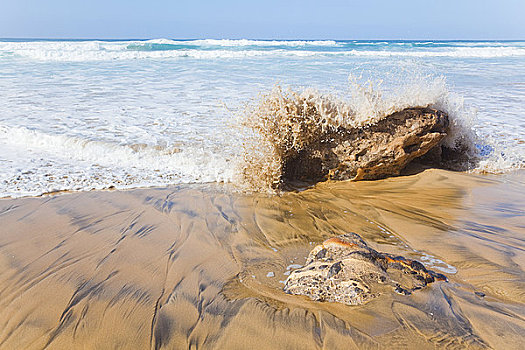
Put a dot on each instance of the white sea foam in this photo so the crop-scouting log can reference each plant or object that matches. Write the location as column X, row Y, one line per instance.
column 217, row 49
column 437, row 264
column 247, row 42
column 478, row 52
column 61, row 162
column 103, row 153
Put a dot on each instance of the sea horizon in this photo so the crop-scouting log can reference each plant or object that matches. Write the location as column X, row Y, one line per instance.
column 256, row 38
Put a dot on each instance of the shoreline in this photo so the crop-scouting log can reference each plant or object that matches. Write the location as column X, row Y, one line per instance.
column 410, row 170
column 188, row 265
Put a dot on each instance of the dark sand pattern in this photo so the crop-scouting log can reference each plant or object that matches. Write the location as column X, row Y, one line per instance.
column 190, row 267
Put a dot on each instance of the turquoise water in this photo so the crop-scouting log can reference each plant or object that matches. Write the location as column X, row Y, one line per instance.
column 83, row 114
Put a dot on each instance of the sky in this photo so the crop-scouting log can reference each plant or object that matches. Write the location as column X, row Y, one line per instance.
column 263, row 19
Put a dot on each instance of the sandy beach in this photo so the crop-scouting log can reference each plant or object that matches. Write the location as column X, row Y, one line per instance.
column 286, row 175
column 202, row 266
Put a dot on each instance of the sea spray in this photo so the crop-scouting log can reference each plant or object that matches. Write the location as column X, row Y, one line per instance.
column 282, row 123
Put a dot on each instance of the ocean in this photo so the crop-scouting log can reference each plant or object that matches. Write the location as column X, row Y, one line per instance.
column 93, row 114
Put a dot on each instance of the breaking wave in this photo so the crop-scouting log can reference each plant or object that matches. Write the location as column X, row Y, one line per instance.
column 98, row 164
column 77, row 51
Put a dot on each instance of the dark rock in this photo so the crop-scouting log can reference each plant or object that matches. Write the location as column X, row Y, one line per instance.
column 480, row 294
column 344, row 269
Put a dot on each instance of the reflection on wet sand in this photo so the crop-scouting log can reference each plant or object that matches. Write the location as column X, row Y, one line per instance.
column 202, row 267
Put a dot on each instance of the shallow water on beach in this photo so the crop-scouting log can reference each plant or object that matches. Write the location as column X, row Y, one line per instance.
column 189, row 266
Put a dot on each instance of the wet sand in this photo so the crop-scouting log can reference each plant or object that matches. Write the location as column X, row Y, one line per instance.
column 189, row 267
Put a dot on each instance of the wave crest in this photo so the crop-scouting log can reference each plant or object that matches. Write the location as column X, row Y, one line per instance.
column 243, row 48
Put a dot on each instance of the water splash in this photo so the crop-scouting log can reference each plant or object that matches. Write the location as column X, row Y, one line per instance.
column 283, row 122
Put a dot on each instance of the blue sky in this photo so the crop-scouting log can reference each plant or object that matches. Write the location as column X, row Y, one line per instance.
column 265, row 19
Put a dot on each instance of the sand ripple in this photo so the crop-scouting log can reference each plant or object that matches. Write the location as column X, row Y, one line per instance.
column 190, row 267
